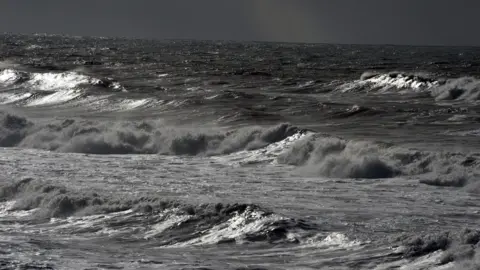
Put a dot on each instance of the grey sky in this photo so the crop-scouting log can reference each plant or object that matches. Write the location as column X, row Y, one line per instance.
column 436, row 22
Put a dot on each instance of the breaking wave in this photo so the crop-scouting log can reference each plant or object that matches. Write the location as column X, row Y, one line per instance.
column 171, row 223
column 466, row 88
column 338, row 158
column 82, row 136
column 445, row 250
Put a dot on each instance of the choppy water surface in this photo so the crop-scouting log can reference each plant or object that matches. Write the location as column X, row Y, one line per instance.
column 130, row 154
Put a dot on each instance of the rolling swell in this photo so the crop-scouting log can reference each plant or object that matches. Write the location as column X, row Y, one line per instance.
column 148, row 137
column 151, row 217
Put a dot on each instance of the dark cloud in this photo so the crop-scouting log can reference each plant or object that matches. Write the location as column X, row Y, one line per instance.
column 440, row 22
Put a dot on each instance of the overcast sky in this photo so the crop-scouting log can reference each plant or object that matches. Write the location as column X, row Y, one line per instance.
column 425, row 22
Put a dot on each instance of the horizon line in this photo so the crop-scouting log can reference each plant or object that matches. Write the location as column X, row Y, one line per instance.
column 231, row 40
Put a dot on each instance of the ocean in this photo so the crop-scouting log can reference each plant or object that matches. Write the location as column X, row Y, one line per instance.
column 178, row 154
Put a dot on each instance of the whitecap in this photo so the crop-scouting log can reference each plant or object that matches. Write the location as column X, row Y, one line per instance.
column 170, row 220
column 236, row 227
column 332, row 241
column 9, row 76
column 56, row 98
column 13, row 98
column 130, row 104
column 58, row 81
column 267, row 154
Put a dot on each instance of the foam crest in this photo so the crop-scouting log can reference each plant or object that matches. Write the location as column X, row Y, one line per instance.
column 391, row 81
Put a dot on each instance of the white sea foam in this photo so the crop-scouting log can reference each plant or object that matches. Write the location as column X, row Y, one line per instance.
column 56, row 98
column 9, row 76
column 59, row 81
column 170, row 220
column 53, row 81
column 9, row 98
column 250, row 221
column 130, row 104
column 332, row 241
column 33, row 47
column 389, row 82
column 7, row 210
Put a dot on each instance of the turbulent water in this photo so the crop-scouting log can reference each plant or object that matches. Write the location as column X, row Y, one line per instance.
column 137, row 154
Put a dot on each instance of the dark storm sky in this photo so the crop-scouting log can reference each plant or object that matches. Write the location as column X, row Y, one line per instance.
column 435, row 22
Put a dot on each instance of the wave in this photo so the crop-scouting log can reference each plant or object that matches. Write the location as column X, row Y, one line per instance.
column 334, row 157
column 313, row 154
column 378, row 82
column 51, row 81
column 466, row 88
column 463, row 88
column 12, row 98
column 49, row 88
column 83, row 136
column 171, row 223
column 438, row 250
column 456, row 250
column 9, row 76
column 56, row 98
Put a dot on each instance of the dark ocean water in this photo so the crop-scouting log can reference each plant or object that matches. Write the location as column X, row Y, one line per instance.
column 137, row 154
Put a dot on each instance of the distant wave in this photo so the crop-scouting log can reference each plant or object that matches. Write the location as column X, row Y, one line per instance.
column 384, row 82
column 451, row 89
